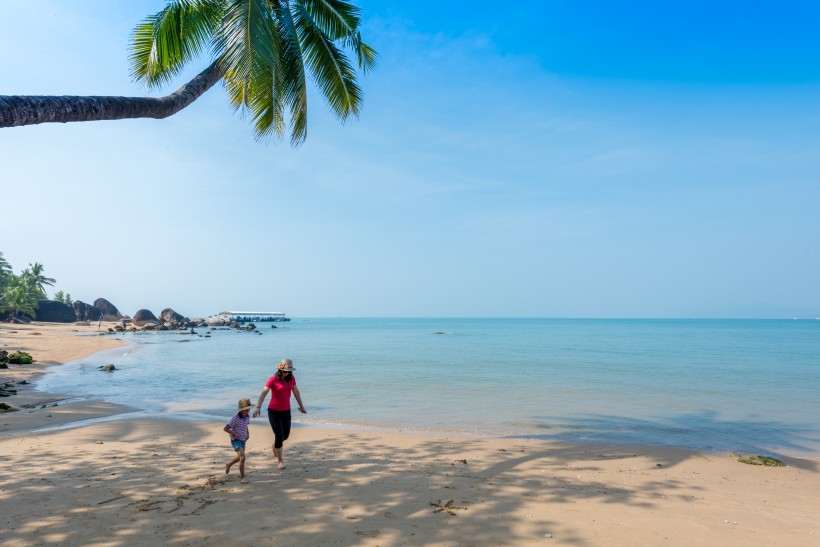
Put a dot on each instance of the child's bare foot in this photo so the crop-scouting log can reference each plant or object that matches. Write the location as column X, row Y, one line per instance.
column 227, row 468
column 281, row 465
column 244, row 480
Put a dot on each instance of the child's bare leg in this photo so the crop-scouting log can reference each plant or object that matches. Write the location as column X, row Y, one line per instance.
column 241, row 458
column 230, row 464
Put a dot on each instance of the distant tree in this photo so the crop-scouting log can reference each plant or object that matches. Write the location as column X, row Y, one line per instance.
column 19, row 297
column 260, row 50
column 34, row 275
column 5, row 272
column 65, row 298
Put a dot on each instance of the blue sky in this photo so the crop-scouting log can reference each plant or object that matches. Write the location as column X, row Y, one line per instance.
column 544, row 159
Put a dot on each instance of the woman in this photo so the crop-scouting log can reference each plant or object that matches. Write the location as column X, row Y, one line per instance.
column 282, row 384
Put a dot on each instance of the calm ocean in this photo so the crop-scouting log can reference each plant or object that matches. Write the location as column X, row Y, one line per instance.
column 742, row 385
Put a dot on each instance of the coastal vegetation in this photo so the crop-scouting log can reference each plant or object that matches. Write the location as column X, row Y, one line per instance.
column 20, row 294
column 262, row 51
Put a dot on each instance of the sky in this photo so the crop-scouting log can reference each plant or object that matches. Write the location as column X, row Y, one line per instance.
column 527, row 159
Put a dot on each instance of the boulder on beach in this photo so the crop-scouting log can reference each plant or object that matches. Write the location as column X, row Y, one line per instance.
column 216, row 322
column 20, row 358
column 109, row 311
column 86, row 312
column 51, row 311
column 170, row 316
column 142, row 317
column 108, row 368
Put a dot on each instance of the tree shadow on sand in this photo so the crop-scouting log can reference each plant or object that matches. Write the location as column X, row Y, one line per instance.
column 340, row 489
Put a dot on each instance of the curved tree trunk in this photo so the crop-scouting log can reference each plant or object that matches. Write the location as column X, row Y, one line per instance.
column 16, row 110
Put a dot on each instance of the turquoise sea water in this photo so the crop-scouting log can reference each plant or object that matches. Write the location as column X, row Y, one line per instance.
column 742, row 385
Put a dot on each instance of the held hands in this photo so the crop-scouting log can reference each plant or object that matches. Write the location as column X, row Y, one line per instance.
column 256, row 412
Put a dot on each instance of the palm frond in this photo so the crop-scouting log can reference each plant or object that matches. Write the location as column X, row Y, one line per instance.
column 337, row 18
column 329, row 66
column 340, row 20
column 165, row 42
column 245, row 41
column 294, row 85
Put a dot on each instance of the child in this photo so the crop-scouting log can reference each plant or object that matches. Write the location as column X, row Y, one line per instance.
column 237, row 428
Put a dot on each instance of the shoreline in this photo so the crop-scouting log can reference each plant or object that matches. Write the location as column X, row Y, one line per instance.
column 144, row 480
column 78, row 342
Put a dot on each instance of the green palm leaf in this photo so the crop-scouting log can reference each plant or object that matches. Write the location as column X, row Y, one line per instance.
column 331, row 70
column 165, row 42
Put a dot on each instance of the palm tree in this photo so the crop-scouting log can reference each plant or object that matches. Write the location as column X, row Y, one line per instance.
column 260, row 49
column 19, row 297
column 5, row 272
column 33, row 275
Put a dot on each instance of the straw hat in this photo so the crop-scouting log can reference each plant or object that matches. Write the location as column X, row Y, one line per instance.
column 244, row 404
column 285, row 366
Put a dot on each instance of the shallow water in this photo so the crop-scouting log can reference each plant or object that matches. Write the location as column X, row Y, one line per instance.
column 743, row 385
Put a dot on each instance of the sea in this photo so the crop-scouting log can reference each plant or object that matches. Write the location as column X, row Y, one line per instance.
column 749, row 386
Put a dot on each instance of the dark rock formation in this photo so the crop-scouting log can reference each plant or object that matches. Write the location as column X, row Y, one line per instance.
column 109, row 311
column 108, row 368
column 170, row 316
column 52, row 311
column 20, row 358
column 144, row 316
column 86, row 312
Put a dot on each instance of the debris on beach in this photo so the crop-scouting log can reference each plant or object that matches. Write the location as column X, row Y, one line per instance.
column 447, row 507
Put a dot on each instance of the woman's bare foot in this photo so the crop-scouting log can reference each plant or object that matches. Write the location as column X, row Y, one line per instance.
column 281, row 465
column 244, row 480
column 227, row 468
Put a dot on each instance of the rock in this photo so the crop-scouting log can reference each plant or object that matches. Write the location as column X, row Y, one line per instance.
column 761, row 460
column 273, row 326
column 86, row 312
column 439, row 332
column 149, row 326
column 19, row 320
column 52, row 311
column 7, row 408
column 108, row 368
column 250, row 327
column 3, row 365
column 216, row 322
column 143, row 317
column 108, row 310
column 20, row 358
column 170, row 316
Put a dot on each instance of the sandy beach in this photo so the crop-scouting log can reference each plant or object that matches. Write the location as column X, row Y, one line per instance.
column 141, row 481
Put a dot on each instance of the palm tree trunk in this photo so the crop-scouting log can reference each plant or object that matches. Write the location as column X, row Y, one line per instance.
column 16, row 110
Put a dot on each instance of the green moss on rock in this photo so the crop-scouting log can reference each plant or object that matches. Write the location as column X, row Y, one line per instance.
column 20, row 358
column 768, row 461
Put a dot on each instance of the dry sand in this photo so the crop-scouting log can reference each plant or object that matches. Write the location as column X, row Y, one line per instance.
column 145, row 481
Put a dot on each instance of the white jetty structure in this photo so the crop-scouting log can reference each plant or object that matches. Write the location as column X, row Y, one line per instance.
column 253, row 316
